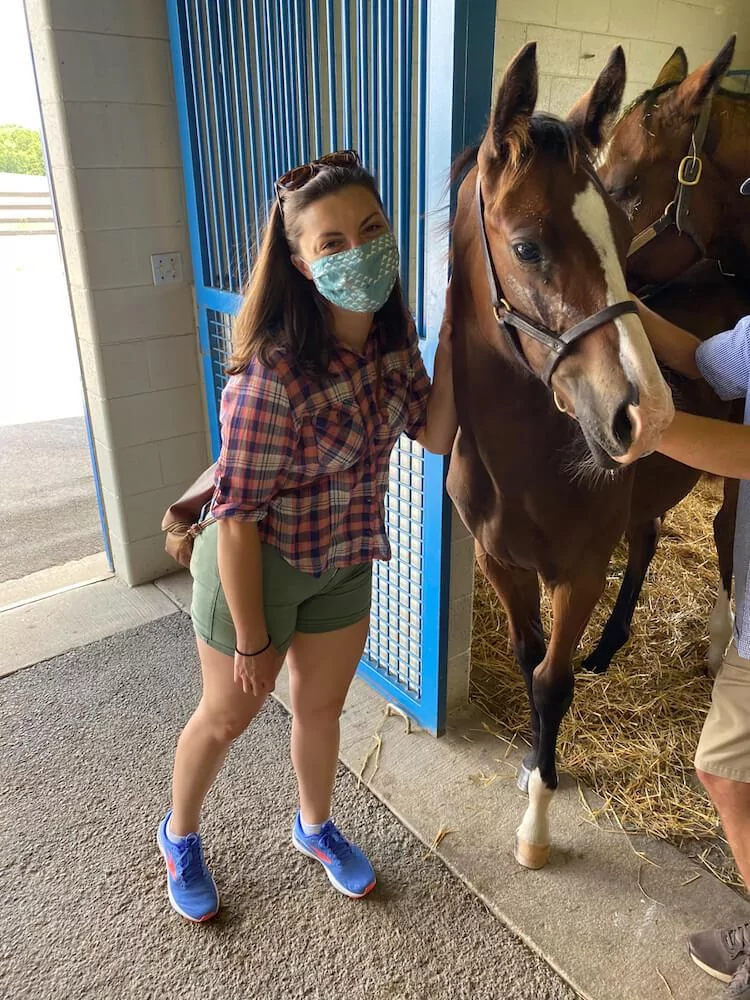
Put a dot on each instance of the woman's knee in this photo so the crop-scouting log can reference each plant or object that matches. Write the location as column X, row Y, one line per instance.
column 320, row 715
column 224, row 725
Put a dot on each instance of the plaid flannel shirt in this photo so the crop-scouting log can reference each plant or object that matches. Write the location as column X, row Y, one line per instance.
column 310, row 462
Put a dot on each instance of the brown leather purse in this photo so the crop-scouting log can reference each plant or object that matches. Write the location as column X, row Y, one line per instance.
column 182, row 521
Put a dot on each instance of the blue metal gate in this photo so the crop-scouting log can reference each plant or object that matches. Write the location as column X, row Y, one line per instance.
column 263, row 85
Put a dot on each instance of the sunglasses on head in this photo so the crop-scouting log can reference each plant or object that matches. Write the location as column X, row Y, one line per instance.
column 297, row 177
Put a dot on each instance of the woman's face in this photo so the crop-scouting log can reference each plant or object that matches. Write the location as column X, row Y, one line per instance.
column 337, row 222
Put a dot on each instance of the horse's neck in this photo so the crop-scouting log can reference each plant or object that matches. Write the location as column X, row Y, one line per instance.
column 732, row 159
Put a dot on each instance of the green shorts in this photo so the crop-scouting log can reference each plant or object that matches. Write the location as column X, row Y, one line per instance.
column 293, row 601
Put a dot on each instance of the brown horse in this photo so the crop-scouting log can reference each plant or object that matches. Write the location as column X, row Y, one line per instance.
column 675, row 161
column 542, row 334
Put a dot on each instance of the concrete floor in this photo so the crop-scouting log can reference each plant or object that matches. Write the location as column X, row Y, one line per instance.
column 609, row 922
column 87, row 743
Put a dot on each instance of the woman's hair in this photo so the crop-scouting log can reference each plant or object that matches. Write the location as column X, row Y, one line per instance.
column 283, row 307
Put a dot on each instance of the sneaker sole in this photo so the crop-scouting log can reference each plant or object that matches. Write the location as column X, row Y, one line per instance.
column 336, row 885
column 173, row 903
column 721, row 976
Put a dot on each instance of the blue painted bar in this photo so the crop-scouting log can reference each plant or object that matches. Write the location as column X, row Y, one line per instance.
column 421, row 165
column 191, row 114
column 289, row 120
column 263, row 105
column 376, row 125
column 274, row 122
column 217, row 133
column 236, row 36
column 315, row 62
column 303, row 98
column 346, row 74
column 333, row 116
column 228, row 139
column 206, row 139
column 386, row 129
column 363, row 82
column 405, row 37
column 217, row 299
column 254, row 137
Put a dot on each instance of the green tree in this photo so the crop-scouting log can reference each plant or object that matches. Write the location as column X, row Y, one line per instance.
column 20, row 150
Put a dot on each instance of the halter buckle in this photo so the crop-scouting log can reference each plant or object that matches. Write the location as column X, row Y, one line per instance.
column 689, row 162
column 496, row 309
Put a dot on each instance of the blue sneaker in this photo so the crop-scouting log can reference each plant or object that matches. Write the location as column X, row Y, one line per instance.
column 347, row 868
column 192, row 890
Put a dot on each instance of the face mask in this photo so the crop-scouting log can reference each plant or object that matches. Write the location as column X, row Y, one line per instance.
column 360, row 279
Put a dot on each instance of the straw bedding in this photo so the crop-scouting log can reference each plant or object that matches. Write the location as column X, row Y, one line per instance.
column 631, row 734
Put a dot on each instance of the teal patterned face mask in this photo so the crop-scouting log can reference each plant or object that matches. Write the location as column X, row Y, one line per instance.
column 360, row 279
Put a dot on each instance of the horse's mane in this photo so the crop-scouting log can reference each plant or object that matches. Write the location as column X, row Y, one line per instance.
column 543, row 133
column 650, row 98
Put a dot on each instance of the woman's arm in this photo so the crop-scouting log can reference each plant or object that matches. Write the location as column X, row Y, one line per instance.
column 714, row 446
column 442, row 422
column 241, row 575
column 671, row 344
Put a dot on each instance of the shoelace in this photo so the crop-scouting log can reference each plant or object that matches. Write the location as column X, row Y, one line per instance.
column 189, row 861
column 737, row 940
column 333, row 842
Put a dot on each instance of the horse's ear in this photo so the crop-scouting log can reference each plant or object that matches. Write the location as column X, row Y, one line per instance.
column 515, row 102
column 594, row 112
column 674, row 69
column 686, row 100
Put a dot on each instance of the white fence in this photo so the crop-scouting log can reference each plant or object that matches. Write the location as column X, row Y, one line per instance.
column 25, row 206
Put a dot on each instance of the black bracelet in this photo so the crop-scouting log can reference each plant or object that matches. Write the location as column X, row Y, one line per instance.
column 258, row 651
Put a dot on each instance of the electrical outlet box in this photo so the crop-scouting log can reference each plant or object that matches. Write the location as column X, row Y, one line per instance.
column 166, row 268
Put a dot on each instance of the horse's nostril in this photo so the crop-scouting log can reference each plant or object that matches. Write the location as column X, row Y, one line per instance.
column 622, row 428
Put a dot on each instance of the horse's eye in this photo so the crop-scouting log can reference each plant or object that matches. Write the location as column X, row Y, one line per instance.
column 527, row 253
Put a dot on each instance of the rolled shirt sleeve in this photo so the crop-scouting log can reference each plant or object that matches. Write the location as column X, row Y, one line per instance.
column 724, row 361
column 258, row 437
column 419, row 390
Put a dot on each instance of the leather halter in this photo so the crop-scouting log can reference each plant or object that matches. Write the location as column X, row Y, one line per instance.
column 511, row 322
column 689, row 173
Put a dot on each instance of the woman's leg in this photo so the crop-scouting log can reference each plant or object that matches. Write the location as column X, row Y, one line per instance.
column 224, row 712
column 321, row 668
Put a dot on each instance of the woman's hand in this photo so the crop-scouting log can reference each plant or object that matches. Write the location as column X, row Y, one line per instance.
column 257, row 674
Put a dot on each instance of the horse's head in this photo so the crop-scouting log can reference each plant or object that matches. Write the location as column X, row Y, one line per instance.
column 557, row 245
column 656, row 167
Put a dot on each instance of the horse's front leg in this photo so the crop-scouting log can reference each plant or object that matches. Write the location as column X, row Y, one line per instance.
column 552, row 689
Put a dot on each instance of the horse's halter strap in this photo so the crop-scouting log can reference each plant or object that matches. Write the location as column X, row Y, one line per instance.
column 511, row 321
column 689, row 173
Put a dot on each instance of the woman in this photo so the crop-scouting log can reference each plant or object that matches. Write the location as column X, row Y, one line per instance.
column 325, row 376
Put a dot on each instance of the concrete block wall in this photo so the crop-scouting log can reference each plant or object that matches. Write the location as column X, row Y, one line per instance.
column 575, row 38
column 105, row 81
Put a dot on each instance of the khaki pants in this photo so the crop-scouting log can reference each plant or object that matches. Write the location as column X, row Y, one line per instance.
column 724, row 746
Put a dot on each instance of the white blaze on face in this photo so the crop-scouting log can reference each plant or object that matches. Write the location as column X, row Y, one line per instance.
column 636, row 357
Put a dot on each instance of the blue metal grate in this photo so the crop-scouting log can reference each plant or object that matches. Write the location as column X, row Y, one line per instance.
column 263, row 85
column 395, row 642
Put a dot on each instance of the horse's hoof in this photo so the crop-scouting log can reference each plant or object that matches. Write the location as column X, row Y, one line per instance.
column 522, row 779
column 593, row 665
column 533, row 856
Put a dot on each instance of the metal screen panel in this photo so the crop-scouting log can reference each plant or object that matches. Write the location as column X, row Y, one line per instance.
column 263, row 85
